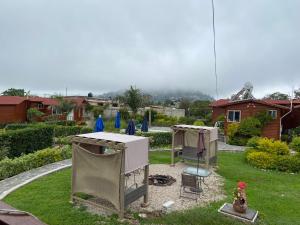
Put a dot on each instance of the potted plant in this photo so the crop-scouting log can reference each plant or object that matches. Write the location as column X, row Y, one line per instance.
column 240, row 199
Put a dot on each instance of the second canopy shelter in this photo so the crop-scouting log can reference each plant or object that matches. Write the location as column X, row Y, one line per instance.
column 194, row 142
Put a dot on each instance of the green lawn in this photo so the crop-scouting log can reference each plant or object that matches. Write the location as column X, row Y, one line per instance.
column 275, row 195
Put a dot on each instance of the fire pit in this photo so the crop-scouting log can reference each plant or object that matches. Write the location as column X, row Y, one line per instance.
column 161, row 180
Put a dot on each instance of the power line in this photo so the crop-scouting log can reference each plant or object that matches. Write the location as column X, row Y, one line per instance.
column 215, row 53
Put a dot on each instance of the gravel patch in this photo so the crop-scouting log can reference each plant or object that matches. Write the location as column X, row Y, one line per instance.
column 158, row 195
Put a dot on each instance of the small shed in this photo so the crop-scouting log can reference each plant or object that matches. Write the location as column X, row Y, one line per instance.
column 101, row 161
column 188, row 141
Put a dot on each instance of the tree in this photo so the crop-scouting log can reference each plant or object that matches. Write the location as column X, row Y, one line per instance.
column 200, row 109
column 14, row 92
column 33, row 114
column 185, row 104
column 277, row 96
column 133, row 98
column 90, row 95
column 297, row 94
column 65, row 106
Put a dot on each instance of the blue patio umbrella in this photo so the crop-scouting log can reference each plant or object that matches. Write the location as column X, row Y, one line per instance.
column 130, row 128
column 99, row 125
column 145, row 125
column 118, row 120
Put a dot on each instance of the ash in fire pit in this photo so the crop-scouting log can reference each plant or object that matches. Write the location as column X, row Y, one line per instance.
column 161, row 180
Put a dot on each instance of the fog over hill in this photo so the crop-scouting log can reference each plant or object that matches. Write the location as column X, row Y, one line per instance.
column 161, row 95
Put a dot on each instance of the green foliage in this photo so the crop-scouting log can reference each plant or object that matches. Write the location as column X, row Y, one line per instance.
column 262, row 160
column 277, row 96
column 199, row 123
column 232, row 129
column 14, row 92
column 63, row 131
column 269, row 154
column 264, row 118
column 124, row 113
column 62, row 122
column 221, row 118
column 153, row 115
column 33, row 114
column 27, row 140
column 158, row 139
column 133, row 98
column 200, row 109
column 65, row 105
column 273, row 147
column 164, row 121
column 186, row 120
column 295, row 144
column 98, row 110
column 250, row 127
column 185, row 104
column 16, row 126
column 11, row 167
column 4, row 149
column 253, row 142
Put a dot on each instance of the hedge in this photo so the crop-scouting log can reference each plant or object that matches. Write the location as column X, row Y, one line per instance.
column 17, row 126
column 63, row 131
column 26, row 140
column 158, row 139
column 62, row 122
column 11, row 167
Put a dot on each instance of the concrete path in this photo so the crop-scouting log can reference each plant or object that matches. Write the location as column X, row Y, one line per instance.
column 10, row 184
column 222, row 146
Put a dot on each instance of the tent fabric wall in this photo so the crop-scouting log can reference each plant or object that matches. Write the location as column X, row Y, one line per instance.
column 96, row 174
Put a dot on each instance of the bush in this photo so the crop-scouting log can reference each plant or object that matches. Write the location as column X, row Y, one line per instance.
column 232, row 129
column 62, row 122
column 288, row 163
column 262, row 160
column 253, row 142
column 16, row 126
column 63, row 131
column 27, row 140
column 250, row 127
column 158, row 139
column 199, row 123
column 186, row 120
column 295, row 144
column 273, row 147
column 11, row 167
column 33, row 114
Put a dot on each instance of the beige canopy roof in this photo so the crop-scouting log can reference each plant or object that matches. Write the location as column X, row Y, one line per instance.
column 213, row 131
column 136, row 148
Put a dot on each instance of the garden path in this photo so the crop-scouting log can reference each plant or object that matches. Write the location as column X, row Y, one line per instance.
column 10, row 184
column 222, row 146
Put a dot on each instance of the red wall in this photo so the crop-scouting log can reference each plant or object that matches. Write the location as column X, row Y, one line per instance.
column 13, row 113
column 271, row 130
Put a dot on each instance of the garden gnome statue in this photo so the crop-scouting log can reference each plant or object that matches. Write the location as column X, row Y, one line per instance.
column 240, row 198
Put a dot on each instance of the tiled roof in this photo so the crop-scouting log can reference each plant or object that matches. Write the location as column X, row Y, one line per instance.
column 16, row 100
column 11, row 100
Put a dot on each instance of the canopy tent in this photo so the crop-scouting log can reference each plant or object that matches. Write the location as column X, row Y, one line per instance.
column 100, row 163
column 195, row 141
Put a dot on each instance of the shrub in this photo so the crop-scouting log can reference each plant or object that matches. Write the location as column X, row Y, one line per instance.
column 186, row 120
column 250, row 127
column 232, row 129
column 262, row 160
column 16, row 126
column 63, row 131
column 11, row 167
column 33, row 114
column 158, row 139
column 273, row 147
column 199, row 123
column 253, row 142
column 295, row 144
column 62, row 122
column 27, row 140
column 288, row 163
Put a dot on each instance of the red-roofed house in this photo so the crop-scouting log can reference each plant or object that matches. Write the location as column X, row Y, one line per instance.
column 13, row 109
column 285, row 117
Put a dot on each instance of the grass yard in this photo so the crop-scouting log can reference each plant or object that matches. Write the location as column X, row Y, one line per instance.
column 276, row 195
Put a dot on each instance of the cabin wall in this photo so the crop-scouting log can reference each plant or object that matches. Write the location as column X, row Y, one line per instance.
column 13, row 113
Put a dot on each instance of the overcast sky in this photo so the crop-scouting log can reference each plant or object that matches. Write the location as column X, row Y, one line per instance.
column 98, row 46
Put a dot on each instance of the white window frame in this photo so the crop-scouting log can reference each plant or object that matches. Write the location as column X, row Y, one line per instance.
column 234, row 116
column 40, row 105
column 276, row 113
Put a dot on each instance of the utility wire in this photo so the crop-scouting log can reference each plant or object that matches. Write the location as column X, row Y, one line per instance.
column 215, row 53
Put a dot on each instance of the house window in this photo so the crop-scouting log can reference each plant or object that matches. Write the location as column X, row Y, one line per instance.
column 273, row 113
column 40, row 106
column 234, row 116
